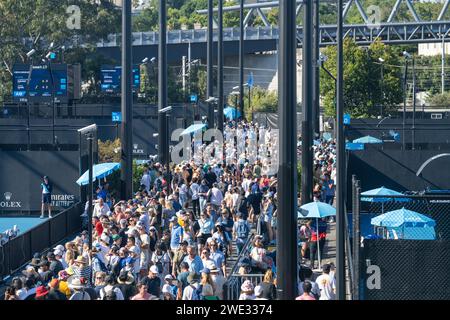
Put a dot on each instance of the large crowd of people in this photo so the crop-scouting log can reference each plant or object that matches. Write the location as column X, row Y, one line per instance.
column 173, row 239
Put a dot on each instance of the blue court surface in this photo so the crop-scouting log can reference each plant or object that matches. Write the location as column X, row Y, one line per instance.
column 23, row 223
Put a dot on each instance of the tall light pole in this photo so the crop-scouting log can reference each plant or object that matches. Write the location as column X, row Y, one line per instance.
column 241, row 57
column 405, row 88
column 381, row 60
column 414, row 105
column 443, row 64
column 307, row 103
column 163, row 143
column 210, row 57
column 90, row 132
column 316, row 84
column 340, row 174
column 126, row 168
column 287, row 268
column 221, row 101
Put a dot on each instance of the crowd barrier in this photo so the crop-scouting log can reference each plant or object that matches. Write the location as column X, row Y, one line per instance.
column 15, row 253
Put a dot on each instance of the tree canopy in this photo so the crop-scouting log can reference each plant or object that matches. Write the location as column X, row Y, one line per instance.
column 34, row 24
column 364, row 90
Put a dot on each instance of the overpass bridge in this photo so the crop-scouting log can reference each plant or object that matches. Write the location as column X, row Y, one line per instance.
column 264, row 38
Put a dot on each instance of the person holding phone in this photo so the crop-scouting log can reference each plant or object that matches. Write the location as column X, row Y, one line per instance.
column 47, row 188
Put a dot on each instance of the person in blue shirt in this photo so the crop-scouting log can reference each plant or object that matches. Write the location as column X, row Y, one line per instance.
column 217, row 256
column 176, row 236
column 193, row 260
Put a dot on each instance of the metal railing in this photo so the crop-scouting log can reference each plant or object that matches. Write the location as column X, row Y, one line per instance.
column 233, row 283
column 390, row 32
column 19, row 250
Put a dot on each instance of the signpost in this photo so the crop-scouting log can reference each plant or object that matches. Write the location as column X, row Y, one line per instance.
column 117, row 117
column 347, row 119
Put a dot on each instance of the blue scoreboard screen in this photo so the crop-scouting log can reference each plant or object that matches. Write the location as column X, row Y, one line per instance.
column 46, row 81
column 111, row 77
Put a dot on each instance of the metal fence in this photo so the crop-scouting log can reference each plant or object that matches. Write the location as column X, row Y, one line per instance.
column 18, row 251
column 232, row 285
column 401, row 245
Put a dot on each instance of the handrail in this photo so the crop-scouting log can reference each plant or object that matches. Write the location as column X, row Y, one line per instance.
column 244, row 248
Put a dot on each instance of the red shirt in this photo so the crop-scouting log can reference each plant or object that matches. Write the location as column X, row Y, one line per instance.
column 99, row 228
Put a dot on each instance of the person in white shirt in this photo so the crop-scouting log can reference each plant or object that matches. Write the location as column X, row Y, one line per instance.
column 327, row 284
column 216, row 196
column 100, row 208
column 194, row 189
column 146, row 180
column 192, row 279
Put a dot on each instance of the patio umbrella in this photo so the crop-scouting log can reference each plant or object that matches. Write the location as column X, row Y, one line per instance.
column 99, row 171
column 193, row 128
column 367, row 139
column 403, row 218
column 316, row 210
column 382, row 191
column 231, row 113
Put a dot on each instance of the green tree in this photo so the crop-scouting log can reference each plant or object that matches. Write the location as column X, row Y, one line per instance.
column 262, row 100
column 364, row 91
column 34, row 24
column 439, row 100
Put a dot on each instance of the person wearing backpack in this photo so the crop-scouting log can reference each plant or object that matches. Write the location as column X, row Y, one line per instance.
column 241, row 230
column 97, row 264
column 110, row 291
column 194, row 290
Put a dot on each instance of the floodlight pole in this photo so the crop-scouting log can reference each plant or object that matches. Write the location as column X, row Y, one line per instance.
column 126, row 168
column 163, row 143
column 340, row 183
column 210, row 57
column 287, row 269
column 220, row 68
column 241, row 58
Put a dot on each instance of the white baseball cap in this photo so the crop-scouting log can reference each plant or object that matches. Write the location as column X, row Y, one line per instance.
column 154, row 269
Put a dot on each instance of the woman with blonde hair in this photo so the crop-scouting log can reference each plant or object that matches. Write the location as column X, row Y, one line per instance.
column 269, row 291
column 207, row 285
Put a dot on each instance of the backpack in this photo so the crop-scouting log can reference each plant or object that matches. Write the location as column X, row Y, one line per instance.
column 159, row 265
column 102, row 266
column 197, row 293
column 242, row 230
column 110, row 295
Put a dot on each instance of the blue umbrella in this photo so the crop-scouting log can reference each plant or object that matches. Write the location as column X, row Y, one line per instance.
column 411, row 224
column 193, row 128
column 367, row 139
column 402, row 218
column 316, row 210
column 99, row 171
column 231, row 113
column 382, row 191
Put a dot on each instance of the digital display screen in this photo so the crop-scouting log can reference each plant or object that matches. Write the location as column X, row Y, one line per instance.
column 46, row 81
column 111, row 77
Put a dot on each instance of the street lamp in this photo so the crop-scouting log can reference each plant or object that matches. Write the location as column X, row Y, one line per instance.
column 146, row 61
column 236, row 94
column 407, row 57
column 90, row 132
column 164, row 135
column 211, row 101
column 381, row 60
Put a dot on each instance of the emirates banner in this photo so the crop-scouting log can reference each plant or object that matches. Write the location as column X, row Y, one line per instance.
column 21, row 175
